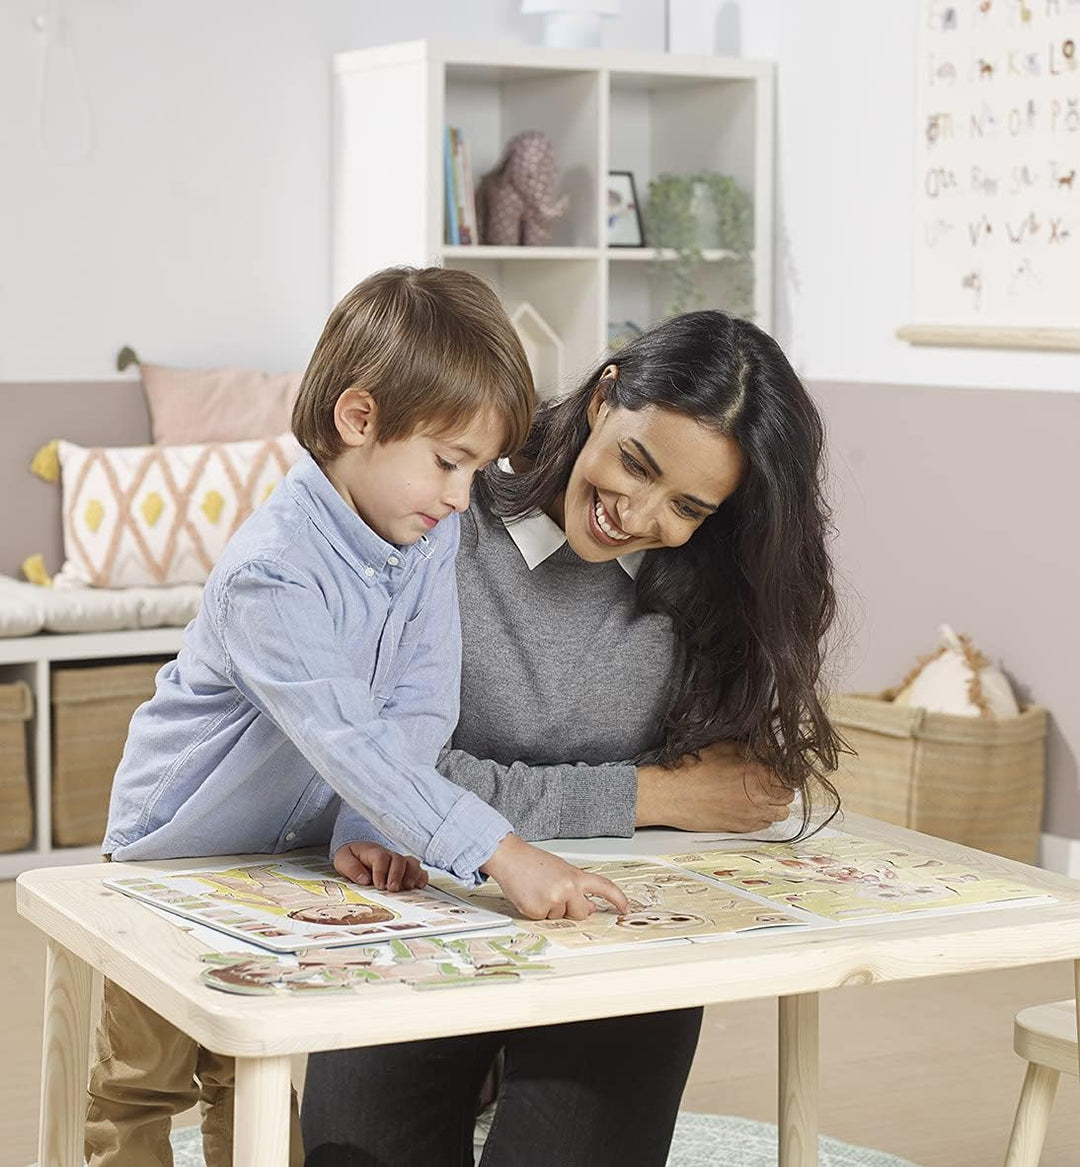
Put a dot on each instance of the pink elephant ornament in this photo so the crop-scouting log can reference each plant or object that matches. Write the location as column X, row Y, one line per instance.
column 516, row 201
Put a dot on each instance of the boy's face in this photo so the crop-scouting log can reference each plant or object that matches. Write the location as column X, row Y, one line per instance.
column 402, row 489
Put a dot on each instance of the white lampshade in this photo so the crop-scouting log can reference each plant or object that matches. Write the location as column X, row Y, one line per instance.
column 571, row 24
column 580, row 7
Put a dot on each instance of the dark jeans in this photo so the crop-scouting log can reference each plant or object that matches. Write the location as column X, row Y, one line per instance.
column 590, row 1094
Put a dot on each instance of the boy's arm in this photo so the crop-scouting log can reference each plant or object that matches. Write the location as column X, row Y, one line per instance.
column 281, row 653
column 426, row 699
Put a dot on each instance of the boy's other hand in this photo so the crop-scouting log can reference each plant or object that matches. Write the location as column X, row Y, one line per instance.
column 543, row 886
column 370, row 865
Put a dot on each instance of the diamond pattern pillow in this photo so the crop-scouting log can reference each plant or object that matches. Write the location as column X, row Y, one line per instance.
column 152, row 515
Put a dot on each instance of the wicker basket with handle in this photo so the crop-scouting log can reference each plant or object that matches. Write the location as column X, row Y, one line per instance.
column 16, row 810
column 975, row 780
column 91, row 708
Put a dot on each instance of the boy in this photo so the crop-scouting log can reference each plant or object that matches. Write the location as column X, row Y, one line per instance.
column 323, row 666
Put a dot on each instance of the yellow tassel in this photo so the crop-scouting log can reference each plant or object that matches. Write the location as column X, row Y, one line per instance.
column 46, row 462
column 35, row 571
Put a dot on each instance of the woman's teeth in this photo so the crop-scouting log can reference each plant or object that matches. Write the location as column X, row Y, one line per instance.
column 605, row 526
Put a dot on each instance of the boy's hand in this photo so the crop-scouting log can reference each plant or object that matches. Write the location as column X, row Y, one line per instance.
column 543, row 886
column 370, row 865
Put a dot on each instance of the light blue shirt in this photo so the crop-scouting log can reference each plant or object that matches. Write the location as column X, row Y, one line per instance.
column 323, row 666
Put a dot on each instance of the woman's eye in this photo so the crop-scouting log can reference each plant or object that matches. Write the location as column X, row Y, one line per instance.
column 632, row 464
column 444, row 465
column 688, row 512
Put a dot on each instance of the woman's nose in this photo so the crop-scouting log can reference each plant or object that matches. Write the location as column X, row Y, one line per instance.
column 636, row 517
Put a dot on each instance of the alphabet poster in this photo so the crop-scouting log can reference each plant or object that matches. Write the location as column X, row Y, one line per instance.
column 998, row 193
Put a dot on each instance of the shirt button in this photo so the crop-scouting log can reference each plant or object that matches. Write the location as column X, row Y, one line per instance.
column 290, row 836
column 393, row 561
column 369, row 571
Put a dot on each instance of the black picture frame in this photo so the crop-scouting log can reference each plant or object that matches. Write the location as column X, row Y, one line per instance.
column 623, row 211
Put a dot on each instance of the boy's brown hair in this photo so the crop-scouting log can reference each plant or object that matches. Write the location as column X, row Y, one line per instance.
column 432, row 346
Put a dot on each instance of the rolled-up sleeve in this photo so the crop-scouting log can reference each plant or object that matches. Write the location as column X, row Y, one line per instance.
column 281, row 653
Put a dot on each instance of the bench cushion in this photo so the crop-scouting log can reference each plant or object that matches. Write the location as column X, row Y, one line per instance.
column 26, row 608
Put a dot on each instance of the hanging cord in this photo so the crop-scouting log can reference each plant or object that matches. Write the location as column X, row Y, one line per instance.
column 65, row 119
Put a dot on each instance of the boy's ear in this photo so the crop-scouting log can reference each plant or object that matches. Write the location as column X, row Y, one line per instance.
column 600, row 394
column 354, row 416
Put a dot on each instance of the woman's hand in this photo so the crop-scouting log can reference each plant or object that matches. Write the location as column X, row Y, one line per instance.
column 720, row 792
column 543, row 886
column 369, row 865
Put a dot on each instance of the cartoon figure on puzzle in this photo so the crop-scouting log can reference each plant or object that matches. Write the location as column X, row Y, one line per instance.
column 848, row 878
column 314, row 901
column 664, row 904
column 867, row 880
column 646, row 905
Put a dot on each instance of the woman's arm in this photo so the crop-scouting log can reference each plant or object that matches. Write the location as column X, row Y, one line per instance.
column 566, row 801
column 721, row 791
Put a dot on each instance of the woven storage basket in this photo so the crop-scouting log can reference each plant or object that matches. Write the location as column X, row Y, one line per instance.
column 16, row 811
column 974, row 780
column 91, row 708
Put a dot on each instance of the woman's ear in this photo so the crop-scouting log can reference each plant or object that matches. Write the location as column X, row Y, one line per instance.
column 599, row 398
column 354, row 416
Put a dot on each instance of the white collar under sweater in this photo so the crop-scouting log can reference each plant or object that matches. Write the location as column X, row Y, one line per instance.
column 537, row 536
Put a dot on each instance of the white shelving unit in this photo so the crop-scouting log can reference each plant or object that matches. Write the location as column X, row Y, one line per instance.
column 30, row 658
column 603, row 111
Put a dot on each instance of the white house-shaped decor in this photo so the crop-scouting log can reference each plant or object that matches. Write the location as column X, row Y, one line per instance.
column 543, row 348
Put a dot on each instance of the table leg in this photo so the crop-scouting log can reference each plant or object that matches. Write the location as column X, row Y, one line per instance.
column 797, row 1104
column 65, row 1054
column 1076, row 973
column 261, row 1117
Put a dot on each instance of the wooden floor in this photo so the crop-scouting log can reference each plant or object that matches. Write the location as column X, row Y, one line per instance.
column 924, row 1070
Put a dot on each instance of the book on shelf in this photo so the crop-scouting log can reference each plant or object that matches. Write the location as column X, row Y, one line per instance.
column 461, row 225
column 451, row 233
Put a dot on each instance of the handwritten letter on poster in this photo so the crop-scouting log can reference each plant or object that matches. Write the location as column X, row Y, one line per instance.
column 998, row 164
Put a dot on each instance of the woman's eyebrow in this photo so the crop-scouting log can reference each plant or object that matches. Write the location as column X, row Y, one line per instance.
column 660, row 474
column 648, row 458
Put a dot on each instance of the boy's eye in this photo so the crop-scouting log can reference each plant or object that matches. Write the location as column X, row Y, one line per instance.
column 444, row 465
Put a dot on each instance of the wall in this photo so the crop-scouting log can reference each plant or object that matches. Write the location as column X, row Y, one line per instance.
column 195, row 227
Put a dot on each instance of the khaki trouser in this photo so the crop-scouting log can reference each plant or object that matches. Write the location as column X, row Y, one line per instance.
column 145, row 1071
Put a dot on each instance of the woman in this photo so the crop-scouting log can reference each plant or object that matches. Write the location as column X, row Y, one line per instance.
column 643, row 602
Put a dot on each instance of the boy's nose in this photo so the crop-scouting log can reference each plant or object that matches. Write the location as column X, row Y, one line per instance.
column 458, row 498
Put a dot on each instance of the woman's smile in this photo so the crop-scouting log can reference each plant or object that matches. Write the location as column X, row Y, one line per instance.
column 602, row 525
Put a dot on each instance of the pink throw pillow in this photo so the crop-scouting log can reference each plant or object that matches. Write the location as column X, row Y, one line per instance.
column 194, row 406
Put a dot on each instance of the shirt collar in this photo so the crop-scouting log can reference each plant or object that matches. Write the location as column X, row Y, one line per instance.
column 368, row 553
column 538, row 536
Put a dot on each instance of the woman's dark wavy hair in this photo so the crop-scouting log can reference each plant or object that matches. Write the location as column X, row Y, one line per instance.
column 751, row 593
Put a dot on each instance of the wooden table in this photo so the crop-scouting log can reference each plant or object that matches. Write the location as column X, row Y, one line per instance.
column 92, row 928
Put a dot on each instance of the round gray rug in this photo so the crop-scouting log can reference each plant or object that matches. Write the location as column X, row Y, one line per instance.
column 701, row 1140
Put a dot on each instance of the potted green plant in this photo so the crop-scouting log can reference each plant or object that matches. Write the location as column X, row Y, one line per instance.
column 692, row 213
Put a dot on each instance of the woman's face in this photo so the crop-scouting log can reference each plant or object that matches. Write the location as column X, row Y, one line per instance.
column 645, row 478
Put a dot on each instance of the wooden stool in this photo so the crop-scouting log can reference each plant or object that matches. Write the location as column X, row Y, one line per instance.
column 1045, row 1036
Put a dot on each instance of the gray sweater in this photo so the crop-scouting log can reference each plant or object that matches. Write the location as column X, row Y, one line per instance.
column 563, row 682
